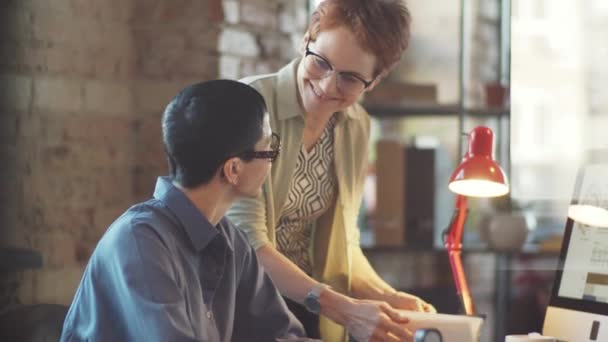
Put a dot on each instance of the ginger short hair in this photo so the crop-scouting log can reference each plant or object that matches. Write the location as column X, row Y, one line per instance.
column 382, row 27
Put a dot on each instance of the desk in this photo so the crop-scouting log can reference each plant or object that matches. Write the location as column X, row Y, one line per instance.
column 504, row 263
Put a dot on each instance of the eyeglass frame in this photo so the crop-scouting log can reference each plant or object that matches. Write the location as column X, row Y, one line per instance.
column 308, row 52
column 271, row 155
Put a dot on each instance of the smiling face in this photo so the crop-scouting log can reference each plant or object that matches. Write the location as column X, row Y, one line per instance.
column 340, row 48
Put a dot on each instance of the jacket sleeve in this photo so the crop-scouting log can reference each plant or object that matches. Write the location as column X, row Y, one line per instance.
column 249, row 215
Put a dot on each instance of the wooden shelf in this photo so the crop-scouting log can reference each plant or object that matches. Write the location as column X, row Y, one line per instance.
column 527, row 250
column 398, row 111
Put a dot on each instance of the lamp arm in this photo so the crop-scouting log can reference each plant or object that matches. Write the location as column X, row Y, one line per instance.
column 453, row 243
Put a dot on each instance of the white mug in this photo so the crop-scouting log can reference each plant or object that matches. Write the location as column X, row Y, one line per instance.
column 529, row 338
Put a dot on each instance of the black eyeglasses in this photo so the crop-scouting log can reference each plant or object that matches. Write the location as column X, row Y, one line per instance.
column 318, row 66
column 272, row 154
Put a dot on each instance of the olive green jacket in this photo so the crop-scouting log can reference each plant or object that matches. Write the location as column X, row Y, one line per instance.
column 335, row 235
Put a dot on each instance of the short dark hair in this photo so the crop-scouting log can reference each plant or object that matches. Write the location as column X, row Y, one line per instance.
column 208, row 123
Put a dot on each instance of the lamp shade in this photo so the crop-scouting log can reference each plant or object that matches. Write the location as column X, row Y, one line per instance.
column 478, row 175
column 590, row 215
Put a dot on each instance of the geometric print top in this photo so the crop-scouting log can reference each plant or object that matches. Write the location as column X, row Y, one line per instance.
column 312, row 191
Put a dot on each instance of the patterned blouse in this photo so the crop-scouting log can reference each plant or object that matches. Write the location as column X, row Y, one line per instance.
column 312, row 191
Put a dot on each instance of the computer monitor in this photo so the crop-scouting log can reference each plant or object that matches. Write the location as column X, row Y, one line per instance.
column 578, row 308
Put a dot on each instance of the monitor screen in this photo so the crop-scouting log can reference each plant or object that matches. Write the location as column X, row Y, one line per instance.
column 578, row 310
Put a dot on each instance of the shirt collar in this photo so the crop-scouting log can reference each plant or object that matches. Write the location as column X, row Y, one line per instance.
column 200, row 231
column 288, row 103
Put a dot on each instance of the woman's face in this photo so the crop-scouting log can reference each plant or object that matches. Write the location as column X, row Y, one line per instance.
column 340, row 49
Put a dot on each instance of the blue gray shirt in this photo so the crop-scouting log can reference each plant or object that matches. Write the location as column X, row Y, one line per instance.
column 162, row 272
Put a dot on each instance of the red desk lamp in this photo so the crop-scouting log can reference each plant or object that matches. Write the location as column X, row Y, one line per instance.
column 478, row 175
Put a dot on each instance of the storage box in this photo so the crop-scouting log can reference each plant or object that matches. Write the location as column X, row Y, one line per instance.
column 413, row 200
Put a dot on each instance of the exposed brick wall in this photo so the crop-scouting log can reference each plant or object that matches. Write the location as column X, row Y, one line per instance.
column 82, row 88
column 69, row 115
column 260, row 36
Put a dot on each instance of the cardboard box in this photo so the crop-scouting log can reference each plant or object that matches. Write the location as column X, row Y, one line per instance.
column 390, row 195
column 413, row 200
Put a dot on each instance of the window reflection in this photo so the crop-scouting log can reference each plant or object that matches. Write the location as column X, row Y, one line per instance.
column 559, row 96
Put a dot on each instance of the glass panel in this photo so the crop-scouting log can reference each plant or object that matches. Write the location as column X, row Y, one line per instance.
column 559, row 100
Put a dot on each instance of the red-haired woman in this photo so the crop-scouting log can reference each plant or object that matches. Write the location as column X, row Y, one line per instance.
column 303, row 226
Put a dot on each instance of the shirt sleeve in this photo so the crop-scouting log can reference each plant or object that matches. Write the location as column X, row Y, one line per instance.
column 260, row 302
column 145, row 293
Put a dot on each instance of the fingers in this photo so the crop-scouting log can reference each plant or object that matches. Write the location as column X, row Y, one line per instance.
column 392, row 322
column 429, row 308
column 397, row 330
column 395, row 315
column 406, row 301
column 417, row 304
column 390, row 331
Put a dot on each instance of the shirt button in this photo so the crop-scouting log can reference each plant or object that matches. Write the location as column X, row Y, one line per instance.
column 209, row 315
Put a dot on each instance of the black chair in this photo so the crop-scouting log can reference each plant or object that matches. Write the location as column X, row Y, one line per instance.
column 33, row 323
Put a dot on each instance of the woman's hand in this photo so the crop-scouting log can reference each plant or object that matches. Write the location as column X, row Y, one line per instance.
column 405, row 301
column 370, row 320
column 365, row 320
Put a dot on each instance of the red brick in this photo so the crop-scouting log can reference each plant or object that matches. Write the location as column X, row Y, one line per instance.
column 67, row 219
column 50, row 27
column 144, row 181
column 152, row 96
column 215, row 10
column 58, row 94
column 229, row 67
column 24, row 58
column 105, row 11
column 293, row 16
column 113, row 98
column 103, row 216
column 50, row 285
column 8, row 131
column 149, row 39
column 231, row 9
column 67, row 61
column 238, row 43
column 257, row 67
column 205, row 39
column 260, row 14
column 149, row 145
column 57, row 248
column 177, row 13
column 17, row 24
column 114, row 66
column 80, row 188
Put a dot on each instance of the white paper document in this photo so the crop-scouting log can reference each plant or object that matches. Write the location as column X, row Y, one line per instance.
column 453, row 328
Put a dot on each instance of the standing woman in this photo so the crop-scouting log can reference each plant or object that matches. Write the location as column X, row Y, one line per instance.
column 303, row 226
